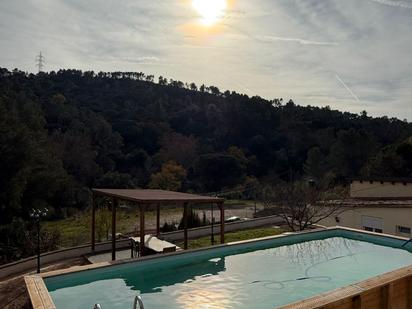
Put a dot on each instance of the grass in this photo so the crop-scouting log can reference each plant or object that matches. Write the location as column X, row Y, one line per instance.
column 234, row 236
column 76, row 230
column 243, row 203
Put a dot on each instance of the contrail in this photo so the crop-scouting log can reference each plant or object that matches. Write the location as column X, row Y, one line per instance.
column 269, row 38
column 347, row 88
column 401, row 4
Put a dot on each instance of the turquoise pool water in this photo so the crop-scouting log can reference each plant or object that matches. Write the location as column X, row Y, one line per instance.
column 265, row 274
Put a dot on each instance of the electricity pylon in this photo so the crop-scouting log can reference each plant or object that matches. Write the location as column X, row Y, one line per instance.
column 40, row 62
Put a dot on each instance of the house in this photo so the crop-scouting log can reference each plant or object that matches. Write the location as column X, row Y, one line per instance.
column 376, row 205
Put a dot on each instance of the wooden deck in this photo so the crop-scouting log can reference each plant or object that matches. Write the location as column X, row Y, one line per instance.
column 39, row 295
column 121, row 255
column 390, row 290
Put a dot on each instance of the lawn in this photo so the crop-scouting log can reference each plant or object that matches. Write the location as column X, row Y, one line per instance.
column 234, row 236
column 76, row 231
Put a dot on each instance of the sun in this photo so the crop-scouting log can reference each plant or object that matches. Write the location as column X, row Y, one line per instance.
column 210, row 11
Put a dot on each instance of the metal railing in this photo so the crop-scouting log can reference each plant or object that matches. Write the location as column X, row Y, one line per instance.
column 137, row 300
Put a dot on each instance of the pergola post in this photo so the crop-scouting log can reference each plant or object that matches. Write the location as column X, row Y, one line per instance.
column 158, row 220
column 185, row 225
column 142, row 229
column 93, row 236
column 115, row 203
column 144, row 198
column 222, row 223
column 212, row 234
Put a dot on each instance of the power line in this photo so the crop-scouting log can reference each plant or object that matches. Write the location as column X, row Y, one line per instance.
column 246, row 189
column 40, row 62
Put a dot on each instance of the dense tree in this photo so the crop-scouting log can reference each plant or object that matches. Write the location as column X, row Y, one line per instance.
column 171, row 177
column 391, row 160
column 217, row 171
column 315, row 164
column 179, row 148
column 115, row 180
column 66, row 131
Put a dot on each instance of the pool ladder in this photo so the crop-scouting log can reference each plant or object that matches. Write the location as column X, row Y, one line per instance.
column 137, row 301
column 406, row 242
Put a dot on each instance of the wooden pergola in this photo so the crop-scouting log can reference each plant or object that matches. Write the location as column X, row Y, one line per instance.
column 143, row 199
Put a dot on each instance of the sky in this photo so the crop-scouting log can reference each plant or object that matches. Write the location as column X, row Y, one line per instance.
column 352, row 55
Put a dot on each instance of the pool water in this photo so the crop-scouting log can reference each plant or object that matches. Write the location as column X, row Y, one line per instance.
column 266, row 275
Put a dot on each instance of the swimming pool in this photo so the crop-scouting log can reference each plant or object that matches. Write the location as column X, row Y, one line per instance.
column 259, row 274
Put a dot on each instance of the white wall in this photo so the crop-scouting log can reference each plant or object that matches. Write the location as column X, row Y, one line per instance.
column 390, row 218
column 377, row 189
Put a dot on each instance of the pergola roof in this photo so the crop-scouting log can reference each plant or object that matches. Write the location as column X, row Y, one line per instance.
column 156, row 196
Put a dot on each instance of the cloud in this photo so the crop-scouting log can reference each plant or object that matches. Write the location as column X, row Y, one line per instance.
column 147, row 59
column 283, row 48
column 401, row 4
column 268, row 38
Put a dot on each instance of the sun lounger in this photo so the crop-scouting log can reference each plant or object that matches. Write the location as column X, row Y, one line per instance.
column 154, row 244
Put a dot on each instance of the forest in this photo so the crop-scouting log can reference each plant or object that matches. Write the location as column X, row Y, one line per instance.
column 62, row 133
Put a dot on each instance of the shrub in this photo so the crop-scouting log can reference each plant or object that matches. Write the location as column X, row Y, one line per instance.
column 193, row 220
column 168, row 227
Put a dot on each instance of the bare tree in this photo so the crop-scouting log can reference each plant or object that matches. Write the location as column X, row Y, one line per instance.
column 301, row 204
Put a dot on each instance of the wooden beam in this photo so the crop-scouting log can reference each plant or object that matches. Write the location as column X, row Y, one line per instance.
column 385, row 297
column 157, row 220
column 114, row 207
column 357, row 302
column 409, row 292
column 185, row 225
column 222, row 223
column 142, row 229
column 93, row 236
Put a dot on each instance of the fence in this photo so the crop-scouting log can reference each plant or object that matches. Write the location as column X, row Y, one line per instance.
column 30, row 263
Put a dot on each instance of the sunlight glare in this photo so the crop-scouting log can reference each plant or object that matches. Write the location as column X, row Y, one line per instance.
column 210, row 10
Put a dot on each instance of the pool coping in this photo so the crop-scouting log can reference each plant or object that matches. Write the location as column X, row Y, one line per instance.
column 348, row 293
column 41, row 299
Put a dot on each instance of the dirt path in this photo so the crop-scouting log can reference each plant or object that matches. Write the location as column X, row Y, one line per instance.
column 13, row 292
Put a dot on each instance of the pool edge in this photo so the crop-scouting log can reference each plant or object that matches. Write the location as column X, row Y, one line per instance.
column 74, row 269
column 39, row 295
column 381, row 285
column 39, row 289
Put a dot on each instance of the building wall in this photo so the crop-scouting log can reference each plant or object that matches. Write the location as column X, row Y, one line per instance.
column 386, row 219
column 377, row 189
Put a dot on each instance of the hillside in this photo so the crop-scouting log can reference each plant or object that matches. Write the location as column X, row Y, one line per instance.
column 64, row 132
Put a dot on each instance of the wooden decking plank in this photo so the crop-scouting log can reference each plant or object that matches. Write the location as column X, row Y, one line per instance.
column 339, row 296
column 44, row 293
column 39, row 295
